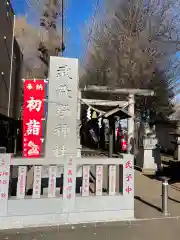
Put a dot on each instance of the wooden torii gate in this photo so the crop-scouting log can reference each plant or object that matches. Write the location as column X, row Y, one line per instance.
column 118, row 106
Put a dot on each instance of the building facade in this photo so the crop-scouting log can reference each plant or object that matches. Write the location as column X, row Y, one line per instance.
column 10, row 64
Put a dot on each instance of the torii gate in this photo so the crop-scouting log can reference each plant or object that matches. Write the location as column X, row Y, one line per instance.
column 118, row 106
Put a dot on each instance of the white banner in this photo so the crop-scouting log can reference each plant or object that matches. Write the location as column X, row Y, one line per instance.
column 112, row 180
column 37, row 182
column 52, row 182
column 4, row 182
column 85, row 183
column 21, row 185
column 99, row 180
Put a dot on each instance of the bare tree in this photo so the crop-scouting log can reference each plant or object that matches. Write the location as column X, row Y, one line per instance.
column 40, row 35
column 41, row 38
column 29, row 39
column 135, row 47
column 53, row 42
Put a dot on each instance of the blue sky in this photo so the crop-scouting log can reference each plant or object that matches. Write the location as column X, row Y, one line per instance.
column 77, row 14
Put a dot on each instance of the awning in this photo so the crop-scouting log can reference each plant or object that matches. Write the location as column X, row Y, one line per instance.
column 119, row 112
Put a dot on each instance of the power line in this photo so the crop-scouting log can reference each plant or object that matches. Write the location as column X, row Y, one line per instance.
column 62, row 27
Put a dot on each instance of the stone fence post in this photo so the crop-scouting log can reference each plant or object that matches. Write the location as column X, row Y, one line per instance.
column 4, row 183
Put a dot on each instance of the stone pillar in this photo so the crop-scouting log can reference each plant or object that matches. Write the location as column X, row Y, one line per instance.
column 148, row 158
column 150, row 155
column 79, row 147
column 4, row 179
column 79, row 125
column 111, row 142
column 61, row 134
column 131, row 123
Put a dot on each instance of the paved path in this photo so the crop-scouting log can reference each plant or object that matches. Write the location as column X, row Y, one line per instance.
column 148, row 197
column 166, row 229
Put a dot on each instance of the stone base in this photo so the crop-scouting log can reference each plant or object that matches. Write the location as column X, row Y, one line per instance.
column 65, row 219
column 149, row 167
column 149, row 171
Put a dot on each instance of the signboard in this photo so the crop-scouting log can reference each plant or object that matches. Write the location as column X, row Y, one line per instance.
column 112, row 180
column 37, row 182
column 69, row 191
column 21, row 185
column 70, row 180
column 4, row 182
column 99, row 180
column 33, row 114
column 52, row 182
column 62, row 108
column 85, row 183
column 128, row 177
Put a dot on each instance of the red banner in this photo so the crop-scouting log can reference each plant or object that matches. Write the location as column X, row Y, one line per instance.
column 33, row 113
